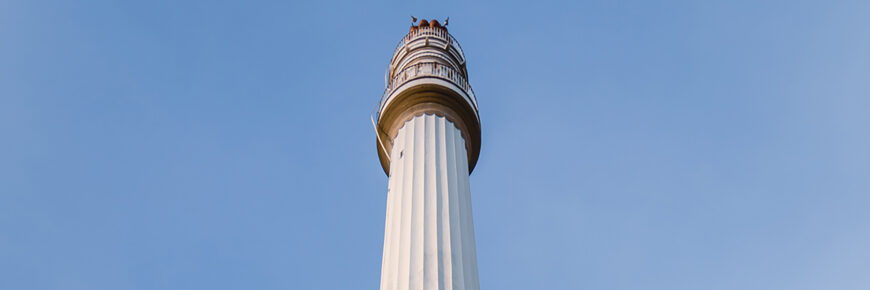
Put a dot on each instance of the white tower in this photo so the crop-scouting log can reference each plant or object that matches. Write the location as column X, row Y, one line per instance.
column 428, row 143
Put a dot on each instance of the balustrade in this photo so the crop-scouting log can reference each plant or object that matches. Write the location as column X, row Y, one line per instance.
column 428, row 69
column 436, row 32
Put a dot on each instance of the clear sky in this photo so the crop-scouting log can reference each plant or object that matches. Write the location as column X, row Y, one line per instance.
column 626, row 144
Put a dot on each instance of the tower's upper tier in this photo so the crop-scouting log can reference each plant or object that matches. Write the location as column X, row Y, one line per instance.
column 428, row 50
column 427, row 74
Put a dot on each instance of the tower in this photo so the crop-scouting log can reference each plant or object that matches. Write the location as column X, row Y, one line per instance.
column 428, row 135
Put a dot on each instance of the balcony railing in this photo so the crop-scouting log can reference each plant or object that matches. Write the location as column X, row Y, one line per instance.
column 436, row 32
column 428, row 69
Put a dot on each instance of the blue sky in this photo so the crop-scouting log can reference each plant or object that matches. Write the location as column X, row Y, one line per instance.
column 626, row 144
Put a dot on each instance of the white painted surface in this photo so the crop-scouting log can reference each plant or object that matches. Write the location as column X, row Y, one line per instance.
column 429, row 238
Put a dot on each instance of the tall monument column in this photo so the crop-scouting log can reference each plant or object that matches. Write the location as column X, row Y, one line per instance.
column 428, row 132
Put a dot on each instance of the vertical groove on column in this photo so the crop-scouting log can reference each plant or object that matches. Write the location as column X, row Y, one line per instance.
column 404, row 252
column 430, row 229
column 397, row 196
column 388, row 224
column 468, row 225
column 385, row 260
column 463, row 223
column 417, row 211
column 455, row 213
column 444, row 266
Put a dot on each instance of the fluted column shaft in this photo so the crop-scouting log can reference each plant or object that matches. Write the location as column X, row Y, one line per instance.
column 429, row 238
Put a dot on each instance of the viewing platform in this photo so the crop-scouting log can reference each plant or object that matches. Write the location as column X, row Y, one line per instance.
column 427, row 75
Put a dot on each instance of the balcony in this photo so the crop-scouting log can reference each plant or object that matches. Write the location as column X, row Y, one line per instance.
column 427, row 34
column 428, row 69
